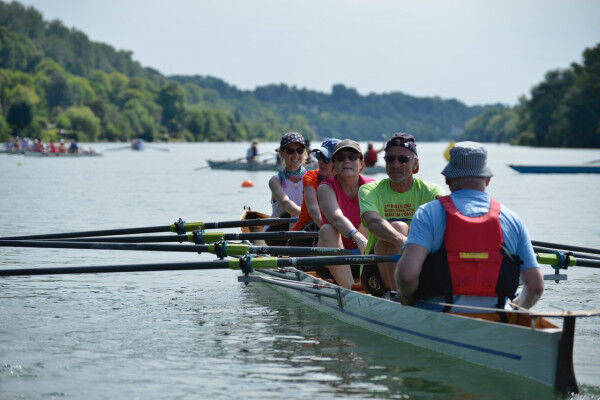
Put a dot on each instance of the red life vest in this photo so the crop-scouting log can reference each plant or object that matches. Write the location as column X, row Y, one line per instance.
column 473, row 249
column 472, row 260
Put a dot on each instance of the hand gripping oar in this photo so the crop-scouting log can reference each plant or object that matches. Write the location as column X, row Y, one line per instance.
column 246, row 264
column 201, row 237
column 179, row 227
column 221, row 249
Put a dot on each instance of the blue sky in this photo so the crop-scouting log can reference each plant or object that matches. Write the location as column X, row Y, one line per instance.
column 476, row 51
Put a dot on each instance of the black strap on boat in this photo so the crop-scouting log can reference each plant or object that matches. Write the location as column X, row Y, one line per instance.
column 221, row 249
column 246, row 264
column 180, row 226
column 198, row 236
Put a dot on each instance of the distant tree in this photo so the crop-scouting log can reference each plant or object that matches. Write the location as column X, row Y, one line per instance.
column 83, row 120
column 172, row 100
column 19, row 115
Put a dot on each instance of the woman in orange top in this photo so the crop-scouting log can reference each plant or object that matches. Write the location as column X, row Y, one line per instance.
column 310, row 213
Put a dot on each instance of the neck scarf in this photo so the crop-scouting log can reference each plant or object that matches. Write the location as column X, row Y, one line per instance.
column 284, row 174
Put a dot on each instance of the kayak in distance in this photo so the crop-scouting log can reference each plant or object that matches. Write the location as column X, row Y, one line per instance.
column 244, row 166
column 556, row 169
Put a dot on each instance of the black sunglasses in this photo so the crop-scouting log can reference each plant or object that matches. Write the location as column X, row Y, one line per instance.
column 321, row 157
column 290, row 151
column 341, row 157
column 401, row 159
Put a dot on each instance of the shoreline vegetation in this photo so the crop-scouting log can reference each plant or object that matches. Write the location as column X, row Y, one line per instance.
column 57, row 84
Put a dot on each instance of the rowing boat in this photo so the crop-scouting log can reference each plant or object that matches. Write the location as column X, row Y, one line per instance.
column 526, row 345
column 244, row 166
column 28, row 153
column 556, row 169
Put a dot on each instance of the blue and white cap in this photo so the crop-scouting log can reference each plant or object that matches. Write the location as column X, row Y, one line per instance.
column 467, row 159
column 291, row 137
column 327, row 147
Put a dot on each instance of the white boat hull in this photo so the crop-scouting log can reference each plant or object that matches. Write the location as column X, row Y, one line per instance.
column 523, row 351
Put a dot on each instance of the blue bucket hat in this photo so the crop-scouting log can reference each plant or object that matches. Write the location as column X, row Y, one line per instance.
column 327, row 147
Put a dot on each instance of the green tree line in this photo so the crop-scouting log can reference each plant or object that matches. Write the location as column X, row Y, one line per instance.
column 561, row 111
column 54, row 79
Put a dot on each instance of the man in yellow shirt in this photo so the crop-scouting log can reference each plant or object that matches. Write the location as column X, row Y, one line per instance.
column 387, row 207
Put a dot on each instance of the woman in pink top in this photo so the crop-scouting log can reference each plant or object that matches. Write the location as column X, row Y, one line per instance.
column 338, row 197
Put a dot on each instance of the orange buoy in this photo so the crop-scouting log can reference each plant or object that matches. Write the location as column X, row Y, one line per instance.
column 247, row 183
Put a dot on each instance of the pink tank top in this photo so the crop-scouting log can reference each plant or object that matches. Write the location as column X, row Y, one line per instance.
column 350, row 207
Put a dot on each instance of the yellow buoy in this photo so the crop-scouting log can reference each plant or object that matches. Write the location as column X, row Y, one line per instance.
column 447, row 151
column 247, row 183
column 20, row 163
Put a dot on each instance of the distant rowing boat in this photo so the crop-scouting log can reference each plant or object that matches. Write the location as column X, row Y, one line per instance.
column 244, row 166
column 556, row 169
column 49, row 155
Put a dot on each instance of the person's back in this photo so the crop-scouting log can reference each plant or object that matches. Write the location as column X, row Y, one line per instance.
column 467, row 248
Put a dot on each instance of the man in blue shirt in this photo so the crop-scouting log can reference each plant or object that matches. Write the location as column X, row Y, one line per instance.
column 467, row 177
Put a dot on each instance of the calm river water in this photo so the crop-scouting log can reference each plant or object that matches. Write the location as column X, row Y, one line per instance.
column 201, row 334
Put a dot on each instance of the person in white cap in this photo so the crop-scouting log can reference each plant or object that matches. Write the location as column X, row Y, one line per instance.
column 468, row 249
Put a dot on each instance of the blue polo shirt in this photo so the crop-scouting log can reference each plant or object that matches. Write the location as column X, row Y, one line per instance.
column 429, row 224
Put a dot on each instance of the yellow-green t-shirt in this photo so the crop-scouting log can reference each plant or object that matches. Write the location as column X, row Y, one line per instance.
column 378, row 196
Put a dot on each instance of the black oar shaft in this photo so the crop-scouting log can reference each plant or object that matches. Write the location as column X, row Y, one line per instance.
column 565, row 247
column 194, row 248
column 221, row 249
column 299, row 251
column 116, row 268
column 105, row 232
column 154, row 229
column 267, row 262
column 249, row 222
column 185, row 238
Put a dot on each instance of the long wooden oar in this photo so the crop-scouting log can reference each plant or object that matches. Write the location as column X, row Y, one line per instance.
column 201, row 237
column 246, row 264
column 559, row 246
column 178, row 227
column 221, row 249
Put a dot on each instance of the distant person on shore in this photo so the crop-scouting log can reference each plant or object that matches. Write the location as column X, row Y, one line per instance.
column 53, row 147
column 467, row 248
column 252, row 153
